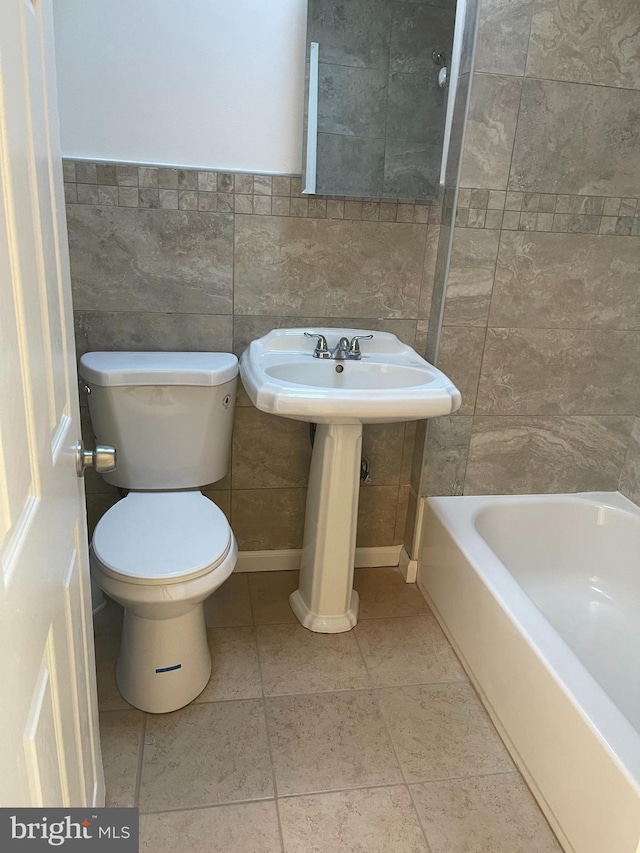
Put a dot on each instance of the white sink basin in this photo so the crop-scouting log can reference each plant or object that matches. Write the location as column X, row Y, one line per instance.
column 390, row 383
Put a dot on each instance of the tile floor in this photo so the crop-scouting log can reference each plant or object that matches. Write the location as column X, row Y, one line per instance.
column 366, row 742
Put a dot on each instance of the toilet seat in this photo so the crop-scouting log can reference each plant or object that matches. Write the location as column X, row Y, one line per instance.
column 161, row 537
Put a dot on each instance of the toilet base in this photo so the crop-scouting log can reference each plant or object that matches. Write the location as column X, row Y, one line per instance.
column 163, row 663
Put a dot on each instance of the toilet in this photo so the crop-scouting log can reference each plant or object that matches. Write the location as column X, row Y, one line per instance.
column 164, row 548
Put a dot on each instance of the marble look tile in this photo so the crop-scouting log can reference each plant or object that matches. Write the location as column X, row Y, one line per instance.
column 268, row 519
column 417, row 29
column 411, row 169
column 128, row 196
column 86, row 173
column 204, row 755
column 328, row 741
column 503, row 36
column 377, row 515
column 382, row 444
column 150, row 260
column 121, row 742
column 402, row 510
column 366, row 821
column 490, row 131
column 566, row 281
column 109, row 698
column 384, row 593
column 416, row 107
column 567, row 119
column 630, row 476
column 411, row 650
column 357, row 33
column 596, row 41
column 473, row 260
column 528, row 455
column 235, row 671
column 245, row 828
column 352, row 101
column 141, row 331
column 313, row 266
column 445, row 457
column 269, row 452
column 460, row 357
column 230, row 605
column 442, row 731
column 496, row 813
column 247, row 328
column 270, row 593
column 348, row 165
column 429, row 271
column 559, row 372
column 295, row 660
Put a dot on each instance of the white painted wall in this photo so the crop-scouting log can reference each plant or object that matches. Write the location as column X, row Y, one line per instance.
column 215, row 84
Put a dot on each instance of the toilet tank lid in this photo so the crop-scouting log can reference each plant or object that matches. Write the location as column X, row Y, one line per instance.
column 158, row 368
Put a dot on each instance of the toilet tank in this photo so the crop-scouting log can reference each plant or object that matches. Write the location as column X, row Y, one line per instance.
column 168, row 414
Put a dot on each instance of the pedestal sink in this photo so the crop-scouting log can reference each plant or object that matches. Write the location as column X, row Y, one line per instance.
column 389, row 383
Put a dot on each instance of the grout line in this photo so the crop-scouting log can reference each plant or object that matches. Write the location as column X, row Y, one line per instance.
column 268, row 734
column 138, row 786
column 406, row 785
column 393, row 749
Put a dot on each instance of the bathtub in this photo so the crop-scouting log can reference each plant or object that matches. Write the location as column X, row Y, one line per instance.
column 540, row 597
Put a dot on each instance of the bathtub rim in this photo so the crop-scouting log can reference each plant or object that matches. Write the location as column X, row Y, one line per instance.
column 606, row 721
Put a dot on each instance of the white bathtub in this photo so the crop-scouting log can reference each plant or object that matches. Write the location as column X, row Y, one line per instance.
column 540, row 596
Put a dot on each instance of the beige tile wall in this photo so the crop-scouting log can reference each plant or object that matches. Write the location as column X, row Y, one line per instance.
column 168, row 259
column 541, row 320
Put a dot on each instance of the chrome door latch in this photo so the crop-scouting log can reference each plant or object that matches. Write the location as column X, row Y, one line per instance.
column 102, row 459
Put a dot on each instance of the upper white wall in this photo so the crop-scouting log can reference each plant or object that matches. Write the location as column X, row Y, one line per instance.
column 215, row 84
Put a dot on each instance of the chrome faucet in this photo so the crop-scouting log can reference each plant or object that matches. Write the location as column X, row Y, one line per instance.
column 344, row 350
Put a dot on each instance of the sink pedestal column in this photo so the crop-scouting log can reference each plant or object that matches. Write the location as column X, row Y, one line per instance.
column 326, row 601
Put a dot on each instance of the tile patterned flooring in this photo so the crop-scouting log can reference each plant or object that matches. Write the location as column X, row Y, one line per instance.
column 366, row 742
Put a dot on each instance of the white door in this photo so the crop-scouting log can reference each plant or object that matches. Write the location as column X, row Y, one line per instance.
column 49, row 747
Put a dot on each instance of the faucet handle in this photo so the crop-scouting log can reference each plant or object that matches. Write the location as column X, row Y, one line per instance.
column 321, row 350
column 354, row 346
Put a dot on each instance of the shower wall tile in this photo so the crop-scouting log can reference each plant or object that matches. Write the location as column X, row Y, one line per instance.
column 560, row 372
column 574, row 138
column 630, row 476
column 525, row 455
column 503, row 36
column 140, row 331
column 414, row 105
column 473, row 261
column 301, row 267
column 566, row 281
column 461, row 350
column 352, row 101
column 383, row 446
column 365, row 26
column 603, row 49
column 410, row 51
column 150, row 260
column 351, row 165
column 446, row 454
column 268, row 519
column 411, row 167
column 490, row 131
column 257, row 458
column 377, row 516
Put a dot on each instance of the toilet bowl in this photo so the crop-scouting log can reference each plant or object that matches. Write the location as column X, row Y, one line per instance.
column 160, row 555
column 164, row 548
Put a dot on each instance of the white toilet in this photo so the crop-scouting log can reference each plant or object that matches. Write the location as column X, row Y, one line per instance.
column 164, row 548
